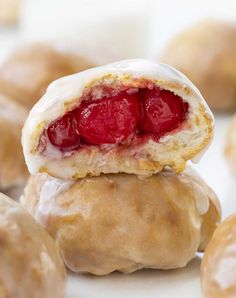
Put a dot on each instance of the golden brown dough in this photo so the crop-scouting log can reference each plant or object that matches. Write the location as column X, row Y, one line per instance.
column 210, row 220
column 13, row 171
column 218, row 269
column 123, row 222
column 30, row 263
column 26, row 74
column 206, row 53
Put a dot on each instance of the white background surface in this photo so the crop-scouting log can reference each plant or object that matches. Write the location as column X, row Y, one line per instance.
column 183, row 283
column 163, row 18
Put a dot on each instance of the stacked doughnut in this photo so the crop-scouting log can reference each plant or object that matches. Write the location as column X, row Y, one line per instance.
column 107, row 149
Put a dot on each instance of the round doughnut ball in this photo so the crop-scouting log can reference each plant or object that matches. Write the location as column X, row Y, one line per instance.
column 206, row 53
column 13, row 170
column 123, row 222
column 218, row 269
column 230, row 145
column 30, row 264
column 28, row 71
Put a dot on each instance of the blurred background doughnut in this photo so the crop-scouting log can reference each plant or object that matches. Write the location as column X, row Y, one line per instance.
column 30, row 266
column 13, row 171
column 206, row 53
column 218, row 269
column 9, row 12
column 28, row 71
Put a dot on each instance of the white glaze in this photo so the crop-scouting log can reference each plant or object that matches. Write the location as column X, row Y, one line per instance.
column 225, row 269
column 69, row 90
column 52, row 188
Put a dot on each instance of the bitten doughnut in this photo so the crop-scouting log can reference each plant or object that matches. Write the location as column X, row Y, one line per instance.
column 132, row 116
column 218, row 269
column 123, row 222
column 30, row 263
column 13, row 170
column 206, row 53
column 28, row 71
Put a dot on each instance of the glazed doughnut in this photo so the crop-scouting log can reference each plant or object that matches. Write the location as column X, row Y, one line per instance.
column 13, row 170
column 124, row 222
column 218, row 269
column 132, row 116
column 30, row 263
column 205, row 52
column 28, row 71
column 230, row 145
column 9, row 12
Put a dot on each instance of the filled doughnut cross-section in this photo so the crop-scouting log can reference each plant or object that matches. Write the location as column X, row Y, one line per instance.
column 132, row 116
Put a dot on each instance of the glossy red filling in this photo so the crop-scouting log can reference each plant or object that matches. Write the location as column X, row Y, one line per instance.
column 138, row 114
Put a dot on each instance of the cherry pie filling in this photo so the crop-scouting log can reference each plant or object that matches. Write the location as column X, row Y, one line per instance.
column 134, row 114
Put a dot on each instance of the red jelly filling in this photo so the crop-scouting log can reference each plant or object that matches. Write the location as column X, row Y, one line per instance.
column 111, row 120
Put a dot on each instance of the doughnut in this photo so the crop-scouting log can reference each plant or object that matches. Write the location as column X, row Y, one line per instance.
column 30, row 263
column 124, row 222
column 218, row 269
column 205, row 52
column 132, row 116
column 230, row 145
column 28, row 71
column 13, row 170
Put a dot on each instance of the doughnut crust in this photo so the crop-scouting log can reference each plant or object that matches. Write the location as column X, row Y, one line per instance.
column 173, row 149
column 30, row 263
column 123, row 222
column 13, row 170
column 205, row 52
column 26, row 74
column 218, row 269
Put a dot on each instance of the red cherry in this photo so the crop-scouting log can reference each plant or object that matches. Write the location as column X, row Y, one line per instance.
column 63, row 133
column 163, row 111
column 108, row 120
